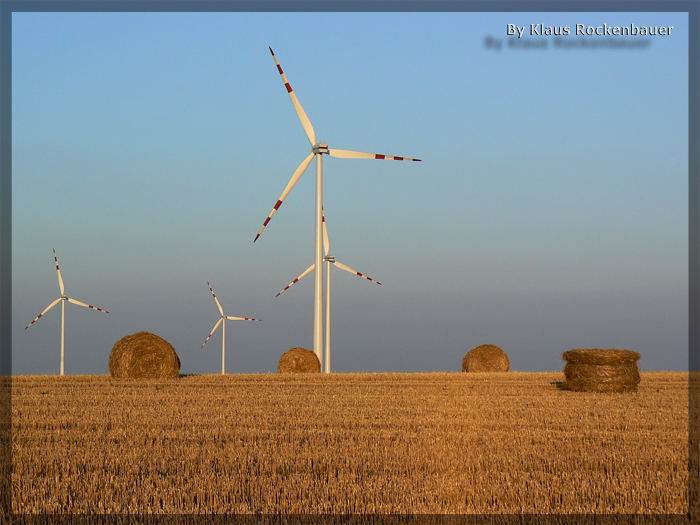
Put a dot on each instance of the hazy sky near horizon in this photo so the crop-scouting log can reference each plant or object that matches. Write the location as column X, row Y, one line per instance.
column 550, row 211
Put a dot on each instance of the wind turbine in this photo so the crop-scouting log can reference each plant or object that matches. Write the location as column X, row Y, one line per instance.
column 221, row 320
column 63, row 300
column 329, row 259
column 317, row 150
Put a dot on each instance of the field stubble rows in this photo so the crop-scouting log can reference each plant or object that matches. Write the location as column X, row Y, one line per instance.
column 348, row 443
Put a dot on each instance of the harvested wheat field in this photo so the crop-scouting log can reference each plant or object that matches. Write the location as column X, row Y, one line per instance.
column 348, row 443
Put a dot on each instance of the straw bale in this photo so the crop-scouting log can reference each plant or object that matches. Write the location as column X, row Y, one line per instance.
column 601, row 370
column 299, row 360
column 485, row 358
column 143, row 355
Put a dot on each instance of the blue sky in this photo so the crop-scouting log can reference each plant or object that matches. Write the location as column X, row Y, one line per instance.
column 549, row 212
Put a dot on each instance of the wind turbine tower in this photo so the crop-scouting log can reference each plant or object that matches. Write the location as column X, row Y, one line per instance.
column 222, row 322
column 63, row 300
column 317, row 151
column 329, row 260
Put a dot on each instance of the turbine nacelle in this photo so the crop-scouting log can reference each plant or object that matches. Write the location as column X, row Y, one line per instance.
column 320, row 149
column 329, row 258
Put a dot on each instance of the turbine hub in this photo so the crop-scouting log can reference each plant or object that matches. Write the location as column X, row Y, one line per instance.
column 320, row 148
column 329, row 258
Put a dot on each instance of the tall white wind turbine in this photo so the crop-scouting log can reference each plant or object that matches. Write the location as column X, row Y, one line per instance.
column 63, row 300
column 317, row 150
column 222, row 321
column 329, row 259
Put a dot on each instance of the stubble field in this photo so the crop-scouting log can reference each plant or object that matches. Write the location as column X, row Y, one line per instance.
column 348, row 443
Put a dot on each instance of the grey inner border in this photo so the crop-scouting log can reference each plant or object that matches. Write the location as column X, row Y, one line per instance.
column 7, row 7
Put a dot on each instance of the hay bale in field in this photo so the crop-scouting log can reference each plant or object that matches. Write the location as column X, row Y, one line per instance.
column 485, row 358
column 299, row 360
column 143, row 355
column 601, row 370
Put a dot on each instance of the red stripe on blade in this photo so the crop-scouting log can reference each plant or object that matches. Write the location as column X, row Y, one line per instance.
column 277, row 206
column 378, row 156
column 289, row 88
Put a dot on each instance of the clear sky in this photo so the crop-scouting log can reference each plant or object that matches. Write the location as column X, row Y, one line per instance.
column 550, row 211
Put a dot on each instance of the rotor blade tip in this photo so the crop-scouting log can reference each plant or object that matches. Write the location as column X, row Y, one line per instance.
column 271, row 51
column 256, row 237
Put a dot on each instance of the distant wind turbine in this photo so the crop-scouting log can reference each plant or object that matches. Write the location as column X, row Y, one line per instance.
column 317, row 150
column 329, row 259
column 221, row 320
column 63, row 300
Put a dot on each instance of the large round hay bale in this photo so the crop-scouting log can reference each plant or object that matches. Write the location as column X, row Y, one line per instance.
column 485, row 358
column 299, row 361
column 601, row 370
column 143, row 355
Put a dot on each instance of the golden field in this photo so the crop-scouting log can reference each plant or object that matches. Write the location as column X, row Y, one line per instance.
column 348, row 443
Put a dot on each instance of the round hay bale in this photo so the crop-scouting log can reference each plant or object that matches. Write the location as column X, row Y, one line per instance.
column 143, row 355
column 299, row 361
column 485, row 358
column 601, row 370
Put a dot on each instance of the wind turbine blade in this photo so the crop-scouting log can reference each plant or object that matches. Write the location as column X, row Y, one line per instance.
column 80, row 303
column 231, row 318
column 295, row 178
column 326, row 242
column 42, row 313
column 348, row 269
column 306, row 272
column 58, row 270
column 212, row 331
column 218, row 305
column 349, row 154
column 305, row 122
